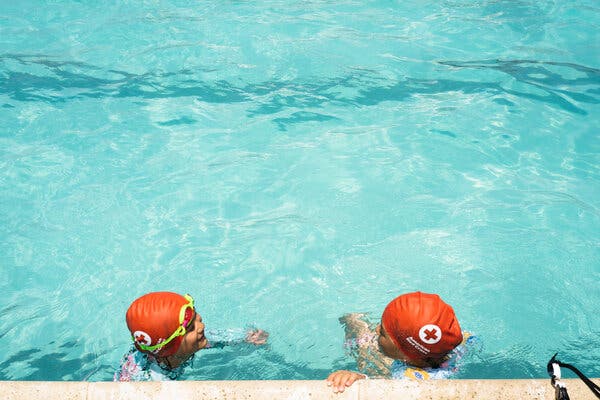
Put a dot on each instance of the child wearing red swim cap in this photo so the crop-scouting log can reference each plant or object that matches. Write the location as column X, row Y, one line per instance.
column 167, row 331
column 419, row 337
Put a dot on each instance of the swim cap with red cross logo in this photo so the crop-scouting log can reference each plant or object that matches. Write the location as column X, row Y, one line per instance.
column 422, row 325
column 153, row 317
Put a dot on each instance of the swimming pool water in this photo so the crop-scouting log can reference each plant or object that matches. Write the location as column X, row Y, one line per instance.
column 288, row 162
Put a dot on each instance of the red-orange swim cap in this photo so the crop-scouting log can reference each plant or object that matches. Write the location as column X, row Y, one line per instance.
column 153, row 317
column 422, row 325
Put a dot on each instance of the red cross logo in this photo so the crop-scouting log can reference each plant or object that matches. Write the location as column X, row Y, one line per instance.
column 142, row 338
column 430, row 334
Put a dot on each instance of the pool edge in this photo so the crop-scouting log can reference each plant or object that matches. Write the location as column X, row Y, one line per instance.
column 492, row 389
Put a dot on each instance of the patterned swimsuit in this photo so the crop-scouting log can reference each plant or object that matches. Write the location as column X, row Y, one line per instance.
column 401, row 370
column 138, row 366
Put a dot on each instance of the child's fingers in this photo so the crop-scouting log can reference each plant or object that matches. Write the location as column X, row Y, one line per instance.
column 262, row 334
column 338, row 384
column 257, row 337
column 340, row 380
column 334, row 379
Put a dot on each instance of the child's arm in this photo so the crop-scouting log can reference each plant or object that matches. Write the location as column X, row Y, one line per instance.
column 219, row 338
column 360, row 335
column 355, row 324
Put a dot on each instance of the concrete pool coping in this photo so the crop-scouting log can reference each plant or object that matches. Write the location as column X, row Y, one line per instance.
column 491, row 389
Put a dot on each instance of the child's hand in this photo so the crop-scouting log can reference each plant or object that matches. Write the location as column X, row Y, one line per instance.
column 257, row 337
column 342, row 379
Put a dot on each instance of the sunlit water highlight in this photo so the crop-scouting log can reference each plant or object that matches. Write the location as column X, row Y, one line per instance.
column 287, row 162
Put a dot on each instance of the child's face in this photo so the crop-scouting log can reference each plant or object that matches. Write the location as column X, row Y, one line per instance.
column 387, row 346
column 194, row 338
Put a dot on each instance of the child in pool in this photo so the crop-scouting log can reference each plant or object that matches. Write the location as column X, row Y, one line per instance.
column 167, row 332
column 418, row 338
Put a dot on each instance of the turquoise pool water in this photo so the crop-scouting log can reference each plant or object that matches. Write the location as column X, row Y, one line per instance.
column 287, row 162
